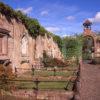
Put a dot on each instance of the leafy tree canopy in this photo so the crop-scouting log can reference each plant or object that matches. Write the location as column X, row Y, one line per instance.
column 58, row 40
column 72, row 46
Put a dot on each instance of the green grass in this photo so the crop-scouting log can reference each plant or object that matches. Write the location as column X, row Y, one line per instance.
column 47, row 82
column 46, row 73
column 45, row 85
column 50, row 84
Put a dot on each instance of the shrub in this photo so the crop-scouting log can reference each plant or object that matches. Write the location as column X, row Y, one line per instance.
column 6, row 74
column 52, row 62
column 32, row 24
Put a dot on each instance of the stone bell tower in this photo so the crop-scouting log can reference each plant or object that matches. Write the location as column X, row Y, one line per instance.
column 89, row 41
column 88, row 33
column 91, row 45
column 87, row 27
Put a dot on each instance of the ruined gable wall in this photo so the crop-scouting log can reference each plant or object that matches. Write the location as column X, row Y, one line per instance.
column 47, row 44
column 35, row 47
column 16, row 31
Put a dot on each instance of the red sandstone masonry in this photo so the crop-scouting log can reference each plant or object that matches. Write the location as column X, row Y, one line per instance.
column 33, row 49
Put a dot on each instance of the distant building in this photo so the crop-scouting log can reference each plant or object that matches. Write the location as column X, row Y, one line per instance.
column 91, row 47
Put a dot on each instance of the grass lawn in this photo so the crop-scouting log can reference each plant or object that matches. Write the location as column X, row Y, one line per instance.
column 46, row 73
column 47, row 80
column 45, row 85
column 49, row 83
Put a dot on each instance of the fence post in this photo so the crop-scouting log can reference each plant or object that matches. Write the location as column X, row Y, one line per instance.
column 55, row 71
column 15, row 72
column 36, row 88
column 33, row 71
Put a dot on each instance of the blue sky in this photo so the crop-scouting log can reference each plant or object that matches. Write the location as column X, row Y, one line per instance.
column 62, row 17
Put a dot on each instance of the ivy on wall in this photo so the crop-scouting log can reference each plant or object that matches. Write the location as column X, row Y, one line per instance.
column 32, row 24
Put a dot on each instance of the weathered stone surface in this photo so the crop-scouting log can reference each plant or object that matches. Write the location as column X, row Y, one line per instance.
column 45, row 95
column 22, row 48
column 88, row 33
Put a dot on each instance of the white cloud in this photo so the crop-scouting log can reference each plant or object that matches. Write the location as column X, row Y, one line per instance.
column 26, row 11
column 53, row 29
column 44, row 13
column 96, row 18
column 65, row 35
column 70, row 18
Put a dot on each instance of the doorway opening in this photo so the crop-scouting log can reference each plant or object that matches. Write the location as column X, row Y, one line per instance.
column 88, row 49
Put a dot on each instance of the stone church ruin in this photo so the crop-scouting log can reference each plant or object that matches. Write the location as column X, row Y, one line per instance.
column 19, row 49
column 91, row 46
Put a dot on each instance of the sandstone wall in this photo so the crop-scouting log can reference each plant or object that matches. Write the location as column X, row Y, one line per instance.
column 23, row 50
column 48, row 45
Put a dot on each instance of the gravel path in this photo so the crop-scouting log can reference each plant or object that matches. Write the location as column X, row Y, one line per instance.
column 89, row 88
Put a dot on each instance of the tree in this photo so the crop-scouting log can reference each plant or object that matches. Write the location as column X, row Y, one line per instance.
column 49, row 61
column 72, row 46
column 32, row 25
column 58, row 40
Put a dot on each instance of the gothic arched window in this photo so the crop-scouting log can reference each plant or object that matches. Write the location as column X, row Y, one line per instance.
column 24, row 46
column 3, row 44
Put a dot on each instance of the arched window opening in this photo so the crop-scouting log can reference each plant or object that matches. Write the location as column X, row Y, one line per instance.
column 88, row 47
column 3, row 44
column 24, row 46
